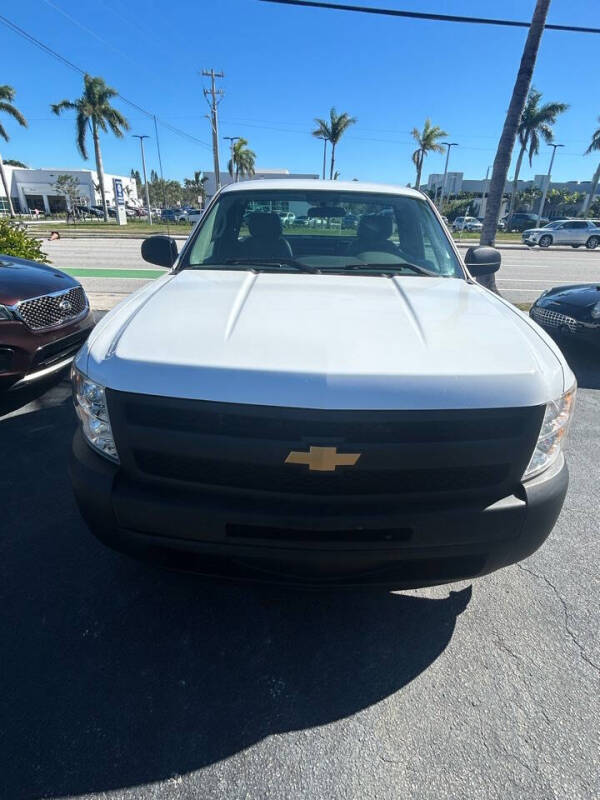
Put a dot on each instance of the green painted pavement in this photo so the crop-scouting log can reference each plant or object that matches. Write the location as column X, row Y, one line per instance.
column 144, row 274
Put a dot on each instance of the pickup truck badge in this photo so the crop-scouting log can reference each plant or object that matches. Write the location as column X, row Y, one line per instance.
column 322, row 459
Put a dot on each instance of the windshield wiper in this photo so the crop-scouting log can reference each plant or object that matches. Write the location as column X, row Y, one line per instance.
column 391, row 269
column 257, row 263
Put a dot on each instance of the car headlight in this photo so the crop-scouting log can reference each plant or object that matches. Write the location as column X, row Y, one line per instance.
column 595, row 312
column 552, row 434
column 89, row 398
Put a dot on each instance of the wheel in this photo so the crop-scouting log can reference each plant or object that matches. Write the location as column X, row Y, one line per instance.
column 592, row 243
column 545, row 241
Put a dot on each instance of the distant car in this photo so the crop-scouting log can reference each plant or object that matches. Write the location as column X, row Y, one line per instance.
column 301, row 221
column 521, row 221
column 194, row 215
column 574, row 232
column 501, row 225
column 286, row 217
column 177, row 215
column 570, row 312
column 464, row 223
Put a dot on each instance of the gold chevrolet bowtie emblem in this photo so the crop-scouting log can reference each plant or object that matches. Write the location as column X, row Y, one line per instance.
column 323, row 459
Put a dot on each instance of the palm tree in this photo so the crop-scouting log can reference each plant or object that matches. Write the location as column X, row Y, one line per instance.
column 536, row 121
column 594, row 147
column 242, row 160
column 7, row 95
column 94, row 110
column 195, row 187
column 332, row 131
column 509, row 131
column 427, row 141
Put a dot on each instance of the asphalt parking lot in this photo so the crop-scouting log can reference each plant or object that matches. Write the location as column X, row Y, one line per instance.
column 124, row 681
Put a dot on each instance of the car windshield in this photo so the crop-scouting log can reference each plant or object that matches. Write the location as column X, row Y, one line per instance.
column 322, row 230
column 553, row 225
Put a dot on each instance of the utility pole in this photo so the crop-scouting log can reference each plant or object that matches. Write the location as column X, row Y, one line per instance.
column 141, row 137
column 448, row 146
column 232, row 141
column 324, row 154
column 485, row 185
column 547, row 182
column 213, row 93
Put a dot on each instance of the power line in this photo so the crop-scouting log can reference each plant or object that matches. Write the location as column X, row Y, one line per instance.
column 389, row 12
column 45, row 48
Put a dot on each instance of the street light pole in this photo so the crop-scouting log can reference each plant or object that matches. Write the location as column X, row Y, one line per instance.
column 232, row 141
column 547, row 183
column 448, row 146
column 324, row 153
column 485, row 184
column 141, row 137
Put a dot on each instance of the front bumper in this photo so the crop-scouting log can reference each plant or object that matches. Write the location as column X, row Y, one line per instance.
column 244, row 536
column 27, row 356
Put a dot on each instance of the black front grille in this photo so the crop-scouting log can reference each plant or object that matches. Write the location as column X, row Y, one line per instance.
column 412, row 454
column 298, row 479
column 52, row 309
column 57, row 351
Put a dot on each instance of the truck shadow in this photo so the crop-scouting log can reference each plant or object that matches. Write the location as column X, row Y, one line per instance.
column 117, row 674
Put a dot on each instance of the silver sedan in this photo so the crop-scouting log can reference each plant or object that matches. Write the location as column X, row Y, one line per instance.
column 574, row 232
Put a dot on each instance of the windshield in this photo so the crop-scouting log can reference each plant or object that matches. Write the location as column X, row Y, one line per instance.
column 553, row 225
column 322, row 230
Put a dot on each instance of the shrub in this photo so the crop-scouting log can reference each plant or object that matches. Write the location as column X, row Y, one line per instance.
column 17, row 242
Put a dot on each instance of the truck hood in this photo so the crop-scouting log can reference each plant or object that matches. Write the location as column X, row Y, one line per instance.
column 324, row 341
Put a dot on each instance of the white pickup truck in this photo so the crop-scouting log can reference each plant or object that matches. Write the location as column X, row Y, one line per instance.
column 331, row 406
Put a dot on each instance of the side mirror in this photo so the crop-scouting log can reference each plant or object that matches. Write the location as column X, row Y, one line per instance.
column 482, row 260
column 161, row 250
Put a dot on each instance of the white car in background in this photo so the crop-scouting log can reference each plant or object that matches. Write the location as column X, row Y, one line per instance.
column 195, row 215
column 466, row 224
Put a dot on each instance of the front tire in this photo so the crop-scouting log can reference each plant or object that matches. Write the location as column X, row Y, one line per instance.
column 592, row 243
column 545, row 241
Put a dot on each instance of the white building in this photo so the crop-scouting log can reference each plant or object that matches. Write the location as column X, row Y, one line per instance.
column 265, row 174
column 36, row 188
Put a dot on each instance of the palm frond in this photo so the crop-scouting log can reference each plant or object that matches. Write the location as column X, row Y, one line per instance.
column 82, row 129
column 3, row 133
column 13, row 112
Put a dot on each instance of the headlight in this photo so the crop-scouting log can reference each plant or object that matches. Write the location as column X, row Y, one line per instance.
column 5, row 313
column 552, row 434
column 90, row 403
column 595, row 312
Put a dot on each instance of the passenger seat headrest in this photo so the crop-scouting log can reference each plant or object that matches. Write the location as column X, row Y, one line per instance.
column 375, row 226
column 264, row 225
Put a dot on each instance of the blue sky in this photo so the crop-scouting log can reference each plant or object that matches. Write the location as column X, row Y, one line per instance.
column 284, row 66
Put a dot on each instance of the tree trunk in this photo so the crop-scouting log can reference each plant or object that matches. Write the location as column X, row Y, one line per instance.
column 509, row 132
column 516, row 178
column 6, row 189
column 590, row 198
column 99, row 168
column 419, row 169
column 332, row 161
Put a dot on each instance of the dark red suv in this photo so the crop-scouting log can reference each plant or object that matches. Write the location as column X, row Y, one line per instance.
column 45, row 317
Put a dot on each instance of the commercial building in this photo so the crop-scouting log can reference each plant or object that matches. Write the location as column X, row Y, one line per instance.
column 456, row 183
column 32, row 189
column 264, row 174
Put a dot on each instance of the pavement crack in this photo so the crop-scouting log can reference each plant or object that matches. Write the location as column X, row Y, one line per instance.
column 584, row 656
